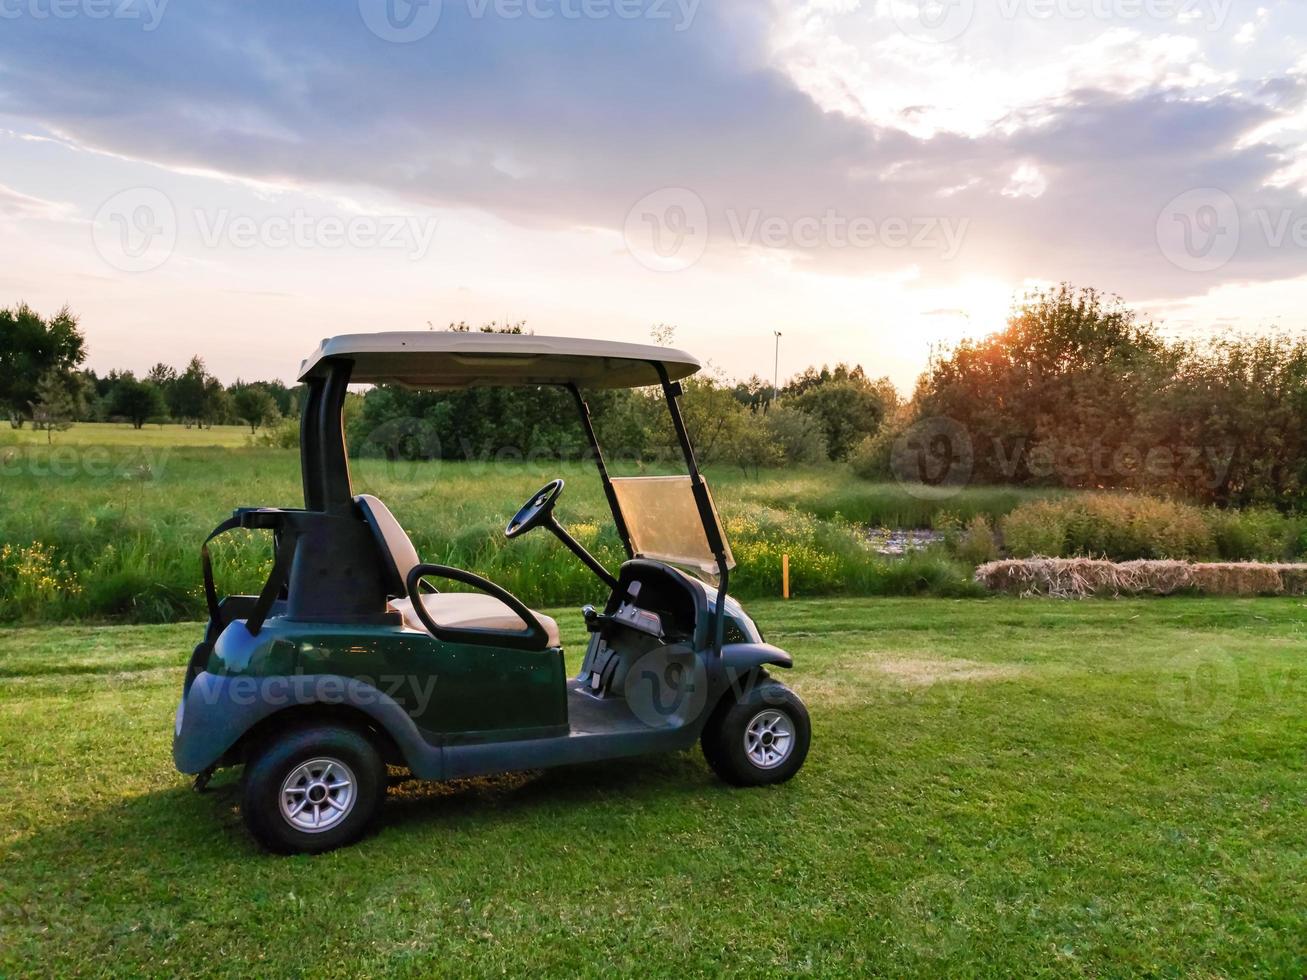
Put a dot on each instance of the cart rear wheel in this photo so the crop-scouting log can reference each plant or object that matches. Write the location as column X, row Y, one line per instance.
column 313, row 789
column 760, row 738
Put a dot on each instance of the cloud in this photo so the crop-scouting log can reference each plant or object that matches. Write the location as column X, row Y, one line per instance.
column 14, row 204
column 568, row 123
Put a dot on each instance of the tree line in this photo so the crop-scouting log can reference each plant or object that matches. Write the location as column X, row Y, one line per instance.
column 1074, row 391
column 42, row 384
column 1077, row 391
column 821, row 414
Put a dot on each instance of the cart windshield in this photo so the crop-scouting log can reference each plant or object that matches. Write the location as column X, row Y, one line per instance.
column 663, row 520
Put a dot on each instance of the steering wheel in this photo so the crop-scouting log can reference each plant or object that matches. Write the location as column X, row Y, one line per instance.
column 535, row 511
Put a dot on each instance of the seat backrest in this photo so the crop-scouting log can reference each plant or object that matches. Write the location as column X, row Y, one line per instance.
column 398, row 556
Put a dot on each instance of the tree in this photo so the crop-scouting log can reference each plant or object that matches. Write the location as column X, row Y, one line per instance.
column 161, row 375
column 136, row 401
column 1057, row 394
column 217, row 409
column 752, row 447
column 186, row 394
column 197, row 397
column 712, row 416
column 847, row 409
column 286, row 398
column 54, row 407
column 812, row 377
column 30, row 348
column 797, row 435
column 755, row 393
column 253, row 405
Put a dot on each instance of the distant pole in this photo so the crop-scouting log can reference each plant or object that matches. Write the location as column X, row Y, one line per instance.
column 776, row 373
column 785, row 576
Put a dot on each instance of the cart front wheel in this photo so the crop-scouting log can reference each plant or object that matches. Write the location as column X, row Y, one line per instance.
column 313, row 789
column 759, row 738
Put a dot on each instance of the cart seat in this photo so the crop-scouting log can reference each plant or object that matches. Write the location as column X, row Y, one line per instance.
column 473, row 611
column 456, row 610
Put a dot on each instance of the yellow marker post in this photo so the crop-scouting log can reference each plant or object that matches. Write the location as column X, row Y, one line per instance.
column 785, row 576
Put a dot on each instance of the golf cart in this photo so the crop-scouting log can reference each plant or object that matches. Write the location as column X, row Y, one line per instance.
column 350, row 660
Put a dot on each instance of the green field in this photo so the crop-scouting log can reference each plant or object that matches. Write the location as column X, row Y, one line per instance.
column 126, row 520
column 997, row 787
column 121, row 434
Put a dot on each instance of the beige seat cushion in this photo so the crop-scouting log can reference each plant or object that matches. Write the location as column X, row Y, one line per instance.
column 470, row 610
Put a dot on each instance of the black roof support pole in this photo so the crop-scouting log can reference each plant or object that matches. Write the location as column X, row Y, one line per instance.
column 337, row 494
column 588, row 426
column 711, row 530
column 310, row 452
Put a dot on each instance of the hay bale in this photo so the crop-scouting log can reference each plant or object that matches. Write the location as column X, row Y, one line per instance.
column 1063, row 578
column 1293, row 579
column 1078, row 578
column 1155, row 577
column 1238, row 578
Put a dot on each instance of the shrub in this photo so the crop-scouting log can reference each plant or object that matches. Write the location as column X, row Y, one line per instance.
column 1117, row 526
column 1255, row 535
column 797, row 434
column 975, row 545
column 1037, row 528
column 870, row 458
column 285, row 434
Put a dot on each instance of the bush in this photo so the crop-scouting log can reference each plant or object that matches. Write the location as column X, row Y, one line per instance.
column 1255, row 535
column 1124, row 527
column 1038, row 528
column 870, row 457
column 797, row 434
column 285, row 434
column 975, row 545
column 1117, row 526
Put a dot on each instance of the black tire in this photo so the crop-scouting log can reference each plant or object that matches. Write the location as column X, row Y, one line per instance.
column 272, row 767
column 724, row 743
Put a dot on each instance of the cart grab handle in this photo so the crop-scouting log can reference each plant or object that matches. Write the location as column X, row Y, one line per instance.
column 533, row 637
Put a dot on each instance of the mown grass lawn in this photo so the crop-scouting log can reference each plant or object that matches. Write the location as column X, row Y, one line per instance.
column 995, row 787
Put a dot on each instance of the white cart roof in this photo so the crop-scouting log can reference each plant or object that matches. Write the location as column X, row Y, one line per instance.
column 443, row 359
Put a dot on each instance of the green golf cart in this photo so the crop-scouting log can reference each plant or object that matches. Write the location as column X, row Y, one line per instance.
column 350, row 659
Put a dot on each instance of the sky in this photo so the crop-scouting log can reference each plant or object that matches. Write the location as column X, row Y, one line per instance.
column 873, row 180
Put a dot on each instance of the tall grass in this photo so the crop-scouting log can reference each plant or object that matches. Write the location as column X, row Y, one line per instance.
column 838, row 493
column 1125, row 527
column 122, row 527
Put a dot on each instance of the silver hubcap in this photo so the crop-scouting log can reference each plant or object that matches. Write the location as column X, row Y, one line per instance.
column 769, row 738
column 317, row 795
